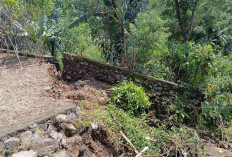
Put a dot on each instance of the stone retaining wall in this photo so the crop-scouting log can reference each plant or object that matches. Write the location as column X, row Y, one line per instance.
column 162, row 93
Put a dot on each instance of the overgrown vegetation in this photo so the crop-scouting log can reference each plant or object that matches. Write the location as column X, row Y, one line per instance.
column 130, row 98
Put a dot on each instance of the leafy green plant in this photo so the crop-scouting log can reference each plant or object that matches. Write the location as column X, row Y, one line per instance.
column 178, row 112
column 130, row 98
column 189, row 63
column 216, row 112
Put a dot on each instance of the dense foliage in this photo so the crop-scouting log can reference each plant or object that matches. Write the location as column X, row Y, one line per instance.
column 130, row 98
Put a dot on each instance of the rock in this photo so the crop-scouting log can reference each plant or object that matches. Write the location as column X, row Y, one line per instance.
column 94, row 125
column 33, row 127
column 12, row 145
column 1, row 148
column 68, row 78
column 74, row 140
column 26, row 139
column 72, row 118
column 62, row 118
column 75, row 111
column 60, row 154
column 46, row 125
column 40, row 132
column 47, row 88
column 44, row 146
column 56, row 135
column 79, row 84
column 51, row 128
column 104, row 93
column 73, row 144
column 67, row 127
column 31, row 153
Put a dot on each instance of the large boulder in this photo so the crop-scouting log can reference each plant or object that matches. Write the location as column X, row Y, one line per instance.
column 12, row 145
column 44, row 146
column 31, row 153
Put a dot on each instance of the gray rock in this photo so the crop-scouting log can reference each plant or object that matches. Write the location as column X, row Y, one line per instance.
column 60, row 154
column 46, row 125
column 44, row 146
column 69, row 127
column 40, row 132
column 47, row 88
column 33, row 127
column 79, row 84
column 62, row 118
column 74, row 140
column 51, row 128
column 104, row 93
column 1, row 148
column 26, row 139
column 94, row 125
column 31, row 153
column 73, row 144
column 56, row 135
column 12, row 145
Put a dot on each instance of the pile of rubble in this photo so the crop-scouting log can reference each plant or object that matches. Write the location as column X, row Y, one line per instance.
column 59, row 136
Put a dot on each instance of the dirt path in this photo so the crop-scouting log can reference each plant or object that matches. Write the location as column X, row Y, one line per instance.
column 23, row 96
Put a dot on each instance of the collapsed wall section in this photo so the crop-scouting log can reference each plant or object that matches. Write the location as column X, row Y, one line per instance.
column 162, row 93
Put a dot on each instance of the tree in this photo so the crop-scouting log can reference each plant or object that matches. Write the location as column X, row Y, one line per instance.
column 182, row 7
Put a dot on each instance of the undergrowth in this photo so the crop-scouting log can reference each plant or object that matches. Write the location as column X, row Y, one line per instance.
column 130, row 98
column 160, row 140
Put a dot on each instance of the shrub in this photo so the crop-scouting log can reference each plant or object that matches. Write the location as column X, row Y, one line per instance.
column 130, row 98
column 217, row 109
column 188, row 63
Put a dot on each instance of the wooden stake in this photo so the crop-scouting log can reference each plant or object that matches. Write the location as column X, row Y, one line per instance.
column 129, row 142
column 141, row 153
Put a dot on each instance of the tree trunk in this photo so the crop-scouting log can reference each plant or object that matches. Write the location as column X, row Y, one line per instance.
column 178, row 13
column 192, row 18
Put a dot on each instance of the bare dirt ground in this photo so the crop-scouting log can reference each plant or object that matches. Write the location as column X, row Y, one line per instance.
column 22, row 91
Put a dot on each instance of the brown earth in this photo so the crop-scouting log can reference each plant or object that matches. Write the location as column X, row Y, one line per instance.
column 22, row 91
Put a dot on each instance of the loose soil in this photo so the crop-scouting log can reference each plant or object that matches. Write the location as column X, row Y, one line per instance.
column 22, row 91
